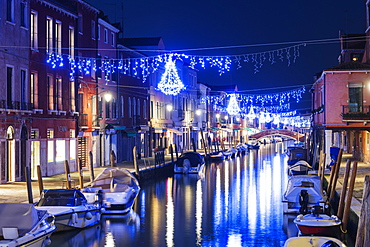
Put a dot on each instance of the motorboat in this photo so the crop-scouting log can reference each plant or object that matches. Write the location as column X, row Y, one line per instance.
column 115, row 188
column 313, row 241
column 189, row 162
column 22, row 224
column 242, row 148
column 253, row 146
column 296, row 154
column 302, row 193
column 70, row 209
column 230, row 153
column 216, row 156
column 301, row 167
column 318, row 223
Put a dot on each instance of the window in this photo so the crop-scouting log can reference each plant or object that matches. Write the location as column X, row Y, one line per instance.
column 100, row 106
column 23, row 14
column 368, row 14
column 73, row 106
column 80, row 23
column 10, row 10
column 50, row 92
column 112, row 39
column 93, row 31
column 134, row 106
column 71, row 41
column 138, row 107
column 33, row 89
column 107, row 109
column 105, row 35
column 33, row 31
column 23, row 90
column 151, row 109
column 49, row 35
column 58, row 94
column 122, row 107
column 129, row 108
column 50, row 135
column 355, row 96
column 144, row 110
column 9, row 86
column 98, row 32
column 114, row 109
column 58, row 37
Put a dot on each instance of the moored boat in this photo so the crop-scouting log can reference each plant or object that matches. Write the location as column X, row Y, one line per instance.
column 318, row 223
column 296, row 154
column 301, row 167
column 118, row 189
column 303, row 192
column 22, row 224
column 189, row 162
column 70, row 209
column 313, row 241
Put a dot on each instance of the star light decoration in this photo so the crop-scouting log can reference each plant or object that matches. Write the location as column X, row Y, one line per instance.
column 170, row 83
column 144, row 66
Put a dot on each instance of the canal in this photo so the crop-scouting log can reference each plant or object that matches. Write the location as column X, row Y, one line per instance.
column 236, row 203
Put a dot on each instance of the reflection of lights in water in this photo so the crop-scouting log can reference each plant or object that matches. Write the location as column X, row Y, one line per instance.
column 226, row 181
column 198, row 212
column 234, row 240
column 142, row 204
column 218, row 203
column 252, row 201
column 170, row 215
column 109, row 240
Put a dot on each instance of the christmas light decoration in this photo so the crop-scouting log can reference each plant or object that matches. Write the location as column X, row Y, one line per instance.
column 233, row 107
column 170, row 83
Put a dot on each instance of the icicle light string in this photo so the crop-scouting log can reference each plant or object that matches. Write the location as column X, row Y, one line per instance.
column 144, row 66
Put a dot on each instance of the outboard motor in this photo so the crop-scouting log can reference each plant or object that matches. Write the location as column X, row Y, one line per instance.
column 317, row 210
column 303, row 201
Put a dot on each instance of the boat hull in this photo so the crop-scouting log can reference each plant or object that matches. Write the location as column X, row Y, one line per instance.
column 311, row 241
column 318, row 224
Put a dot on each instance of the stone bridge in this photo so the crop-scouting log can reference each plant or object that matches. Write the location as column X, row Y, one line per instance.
column 279, row 132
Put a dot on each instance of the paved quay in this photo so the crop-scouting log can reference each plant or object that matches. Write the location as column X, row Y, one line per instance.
column 17, row 191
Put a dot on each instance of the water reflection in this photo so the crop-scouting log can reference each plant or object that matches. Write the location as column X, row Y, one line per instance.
column 237, row 203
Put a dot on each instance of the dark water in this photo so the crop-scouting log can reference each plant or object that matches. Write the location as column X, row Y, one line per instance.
column 237, row 203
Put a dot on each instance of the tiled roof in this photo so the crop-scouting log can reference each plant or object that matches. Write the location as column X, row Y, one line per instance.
column 350, row 66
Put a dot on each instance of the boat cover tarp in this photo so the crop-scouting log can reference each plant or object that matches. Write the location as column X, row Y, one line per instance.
column 194, row 158
column 20, row 215
column 311, row 183
column 115, row 177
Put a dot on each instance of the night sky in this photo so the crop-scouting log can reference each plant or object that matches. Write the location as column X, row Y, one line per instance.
column 262, row 25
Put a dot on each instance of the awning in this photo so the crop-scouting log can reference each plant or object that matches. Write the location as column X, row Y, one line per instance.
column 158, row 130
column 130, row 133
column 118, row 127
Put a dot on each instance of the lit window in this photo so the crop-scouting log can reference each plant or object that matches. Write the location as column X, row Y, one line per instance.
column 58, row 37
column 49, row 35
column 33, row 31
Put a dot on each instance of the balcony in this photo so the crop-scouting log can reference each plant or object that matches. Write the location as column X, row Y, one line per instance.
column 15, row 105
column 82, row 121
column 355, row 113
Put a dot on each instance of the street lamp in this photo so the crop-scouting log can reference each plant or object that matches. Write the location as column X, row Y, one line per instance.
column 108, row 96
column 198, row 112
column 169, row 107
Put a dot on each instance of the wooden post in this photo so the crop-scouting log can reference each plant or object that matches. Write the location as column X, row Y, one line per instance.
column 39, row 178
column 80, row 174
column 29, row 184
column 193, row 143
column 320, row 163
column 68, row 175
column 322, row 174
column 363, row 231
column 177, row 153
column 204, row 143
column 347, row 206
column 135, row 162
column 171, row 152
column 336, row 175
column 91, row 167
column 344, row 190
column 112, row 159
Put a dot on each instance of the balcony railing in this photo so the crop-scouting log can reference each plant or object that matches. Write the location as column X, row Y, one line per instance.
column 355, row 112
column 82, row 121
column 15, row 105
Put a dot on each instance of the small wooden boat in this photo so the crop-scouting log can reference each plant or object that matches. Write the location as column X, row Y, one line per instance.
column 70, row 209
column 189, row 162
column 313, row 242
column 22, row 224
column 301, row 167
column 318, row 223
column 303, row 192
column 216, row 156
column 296, row 154
column 115, row 189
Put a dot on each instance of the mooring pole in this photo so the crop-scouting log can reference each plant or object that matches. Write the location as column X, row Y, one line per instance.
column 91, row 166
column 29, row 184
column 135, row 162
column 80, row 174
column 363, row 231
column 68, row 175
column 347, row 207
column 39, row 178
column 344, row 190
